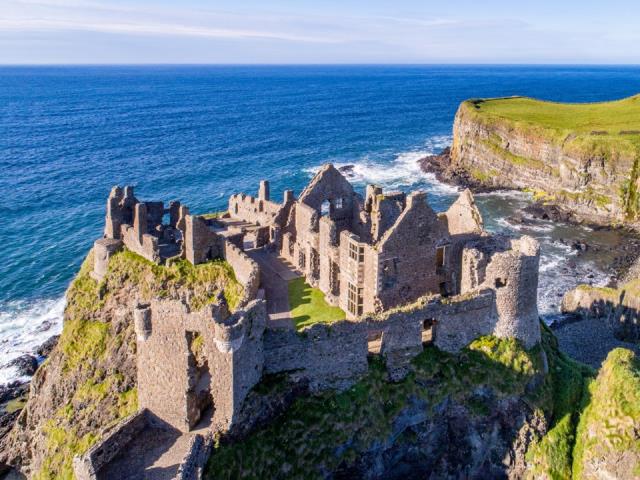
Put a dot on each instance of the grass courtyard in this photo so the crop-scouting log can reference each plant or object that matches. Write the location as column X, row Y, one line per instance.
column 308, row 305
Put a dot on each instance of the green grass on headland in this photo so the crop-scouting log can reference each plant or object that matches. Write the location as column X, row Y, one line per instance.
column 620, row 117
column 309, row 307
column 610, row 425
column 609, row 128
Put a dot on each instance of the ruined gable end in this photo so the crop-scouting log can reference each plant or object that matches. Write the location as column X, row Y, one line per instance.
column 463, row 216
column 328, row 185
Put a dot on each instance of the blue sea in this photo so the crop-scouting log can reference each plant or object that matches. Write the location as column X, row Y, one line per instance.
column 201, row 133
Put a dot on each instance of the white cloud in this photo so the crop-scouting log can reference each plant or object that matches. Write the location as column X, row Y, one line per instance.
column 44, row 25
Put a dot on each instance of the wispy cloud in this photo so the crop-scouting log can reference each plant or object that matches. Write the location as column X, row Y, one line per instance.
column 43, row 25
column 80, row 15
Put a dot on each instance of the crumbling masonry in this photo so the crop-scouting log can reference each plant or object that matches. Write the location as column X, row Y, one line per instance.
column 404, row 274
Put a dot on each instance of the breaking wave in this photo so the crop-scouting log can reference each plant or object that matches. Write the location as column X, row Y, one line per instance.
column 24, row 326
column 402, row 172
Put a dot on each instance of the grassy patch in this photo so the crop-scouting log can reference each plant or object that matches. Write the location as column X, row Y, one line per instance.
column 15, row 404
column 214, row 214
column 320, row 432
column 552, row 456
column 607, row 130
column 482, row 176
column 609, row 425
column 309, row 307
column 62, row 445
column 204, row 281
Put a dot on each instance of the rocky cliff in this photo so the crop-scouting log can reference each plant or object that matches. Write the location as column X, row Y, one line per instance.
column 582, row 157
column 495, row 410
column 88, row 383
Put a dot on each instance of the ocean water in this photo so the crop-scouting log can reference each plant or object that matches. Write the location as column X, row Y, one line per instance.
column 201, row 133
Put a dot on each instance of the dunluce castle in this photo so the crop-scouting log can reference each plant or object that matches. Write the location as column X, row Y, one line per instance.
column 403, row 274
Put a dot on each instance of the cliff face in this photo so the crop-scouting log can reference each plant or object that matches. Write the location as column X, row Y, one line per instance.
column 593, row 173
column 490, row 411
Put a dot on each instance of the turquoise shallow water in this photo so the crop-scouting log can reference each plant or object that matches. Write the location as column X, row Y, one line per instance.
column 199, row 134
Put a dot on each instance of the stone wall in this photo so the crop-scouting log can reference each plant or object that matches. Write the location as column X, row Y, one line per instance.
column 229, row 354
column 119, row 212
column 200, row 242
column 87, row 466
column 509, row 267
column 329, row 356
column 253, row 210
column 408, row 268
column 247, row 271
column 103, row 250
column 192, row 465
column 460, row 320
column 144, row 245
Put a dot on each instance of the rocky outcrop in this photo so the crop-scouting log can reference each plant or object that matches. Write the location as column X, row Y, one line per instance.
column 608, row 435
column 579, row 174
column 88, row 384
column 453, row 442
column 618, row 307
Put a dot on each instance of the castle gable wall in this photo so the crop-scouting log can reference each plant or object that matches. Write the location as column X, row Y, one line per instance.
column 408, row 267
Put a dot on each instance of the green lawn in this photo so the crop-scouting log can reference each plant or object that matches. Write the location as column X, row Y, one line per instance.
column 612, row 124
column 308, row 305
column 611, row 117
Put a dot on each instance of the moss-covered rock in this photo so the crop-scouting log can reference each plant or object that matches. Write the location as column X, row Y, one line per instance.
column 608, row 435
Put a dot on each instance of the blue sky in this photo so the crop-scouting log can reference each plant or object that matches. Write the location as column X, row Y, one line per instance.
column 320, row 31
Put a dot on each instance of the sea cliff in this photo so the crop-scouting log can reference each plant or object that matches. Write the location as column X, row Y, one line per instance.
column 583, row 158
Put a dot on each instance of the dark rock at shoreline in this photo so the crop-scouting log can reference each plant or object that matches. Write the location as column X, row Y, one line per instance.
column 45, row 349
column 440, row 165
column 347, row 170
column 13, row 390
column 552, row 213
column 25, row 364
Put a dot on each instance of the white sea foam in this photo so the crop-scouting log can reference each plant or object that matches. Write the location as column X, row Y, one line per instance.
column 403, row 172
column 24, row 326
column 514, row 194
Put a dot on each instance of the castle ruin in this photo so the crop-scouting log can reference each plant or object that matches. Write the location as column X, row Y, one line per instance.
column 403, row 274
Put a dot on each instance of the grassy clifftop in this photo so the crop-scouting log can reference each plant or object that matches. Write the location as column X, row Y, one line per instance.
column 584, row 157
column 610, row 127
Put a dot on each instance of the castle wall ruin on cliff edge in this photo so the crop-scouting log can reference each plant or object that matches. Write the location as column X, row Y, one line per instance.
column 404, row 274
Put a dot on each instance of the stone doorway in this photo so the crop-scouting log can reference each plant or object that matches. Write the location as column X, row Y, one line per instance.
column 199, row 398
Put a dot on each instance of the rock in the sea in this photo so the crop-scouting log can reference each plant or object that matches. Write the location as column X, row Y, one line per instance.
column 26, row 365
column 346, row 169
column 45, row 349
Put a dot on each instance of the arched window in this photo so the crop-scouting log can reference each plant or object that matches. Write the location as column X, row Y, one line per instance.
column 325, row 208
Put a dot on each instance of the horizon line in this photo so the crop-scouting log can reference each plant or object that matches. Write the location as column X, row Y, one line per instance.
column 320, row 64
